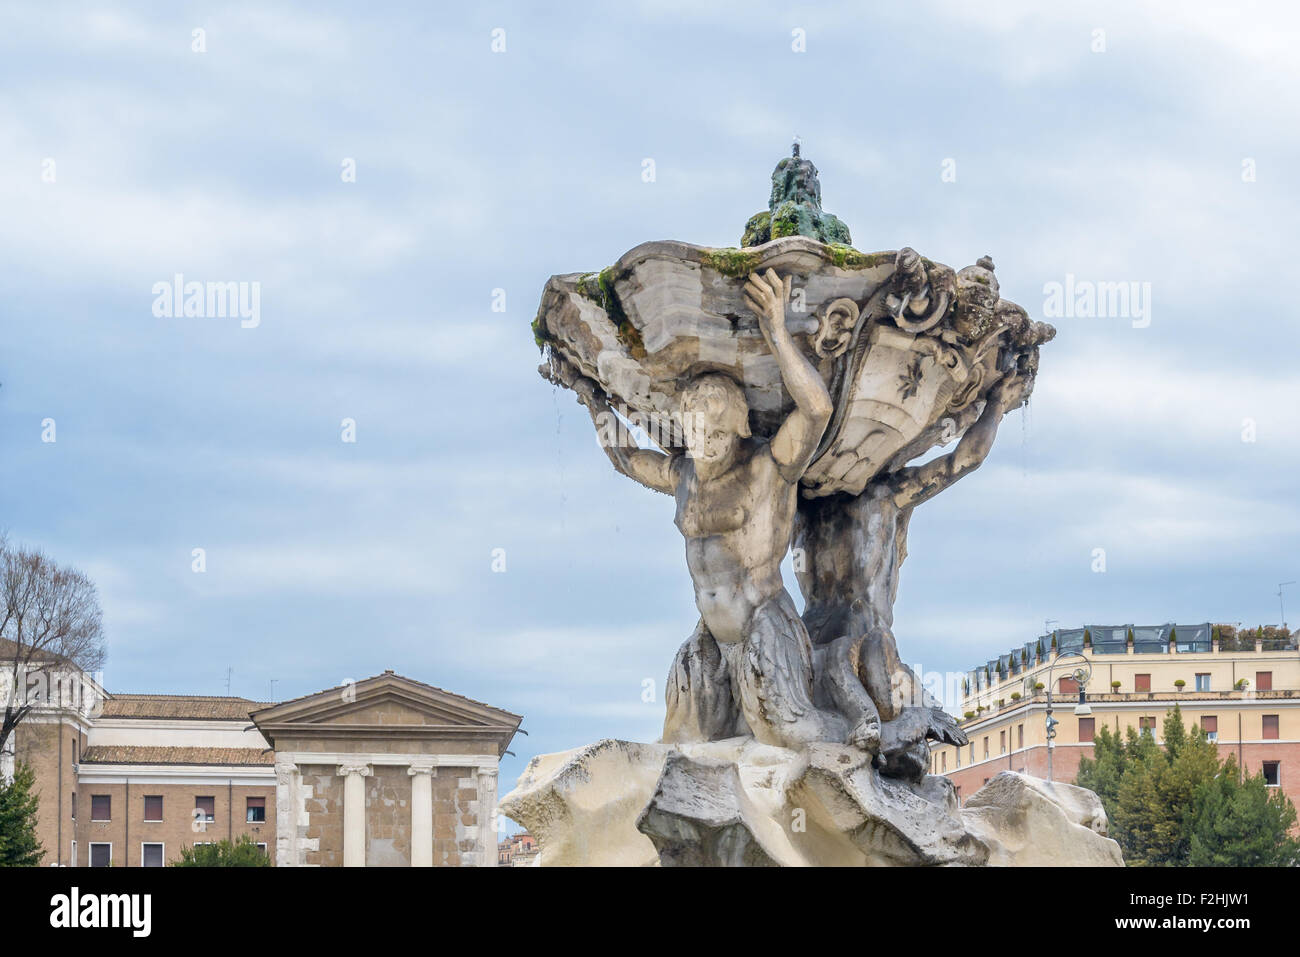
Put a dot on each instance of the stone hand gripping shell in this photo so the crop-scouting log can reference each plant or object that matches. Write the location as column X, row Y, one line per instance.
column 911, row 354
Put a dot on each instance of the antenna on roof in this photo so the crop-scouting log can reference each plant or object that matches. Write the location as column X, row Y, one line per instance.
column 229, row 672
column 1280, row 606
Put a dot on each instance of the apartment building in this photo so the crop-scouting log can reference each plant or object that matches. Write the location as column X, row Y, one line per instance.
column 1244, row 691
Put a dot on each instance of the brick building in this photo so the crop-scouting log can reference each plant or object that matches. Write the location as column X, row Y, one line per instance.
column 1244, row 693
column 518, row 850
column 384, row 772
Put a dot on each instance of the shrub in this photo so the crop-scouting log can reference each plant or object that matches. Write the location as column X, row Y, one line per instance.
column 242, row 852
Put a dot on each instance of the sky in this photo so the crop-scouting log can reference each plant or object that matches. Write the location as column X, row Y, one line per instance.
column 1147, row 143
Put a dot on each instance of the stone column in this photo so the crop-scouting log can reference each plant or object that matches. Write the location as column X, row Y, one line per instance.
column 487, row 817
column 354, row 813
column 287, row 781
column 421, row 814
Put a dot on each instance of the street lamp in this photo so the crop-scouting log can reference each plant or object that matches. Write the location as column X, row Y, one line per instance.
column 1082, row 675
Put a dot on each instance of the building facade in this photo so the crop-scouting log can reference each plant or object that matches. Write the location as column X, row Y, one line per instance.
column 518, row 850
column 1244, row 693
column 387, row 771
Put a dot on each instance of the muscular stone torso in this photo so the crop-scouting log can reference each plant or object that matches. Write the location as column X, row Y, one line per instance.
column 852, row 551
column 737, row 528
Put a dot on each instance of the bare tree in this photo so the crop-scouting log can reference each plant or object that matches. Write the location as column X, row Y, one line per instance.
column 50, row 623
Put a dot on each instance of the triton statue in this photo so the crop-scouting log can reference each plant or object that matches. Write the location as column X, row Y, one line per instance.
column 802, row 378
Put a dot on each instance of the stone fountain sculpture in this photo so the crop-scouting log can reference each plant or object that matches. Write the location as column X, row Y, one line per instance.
column 789, row 385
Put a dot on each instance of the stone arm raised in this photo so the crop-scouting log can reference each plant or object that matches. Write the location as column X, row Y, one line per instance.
column 653, row 469
column 796, row 440
column 918, row 484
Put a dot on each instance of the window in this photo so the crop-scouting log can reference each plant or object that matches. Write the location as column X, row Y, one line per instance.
column 1202, row 682
column 1147, row 726
column 261, row 846
column 74, row 805
column 101, row 809
column 151, row 855
column 1020, row 736
column 1263, row 681
column 986, row 745
column 205, row 809
column 1087, row 729
column 101, row 855
column 972, row 752
column 1270, row 727
column 74, row 749
column 1142, row 682
column 1210, row 725
column 943, row 758
column 73, row 858
column 1273, row 773
column 153, row 808
column 1002, row 742
column 957, row 752
column 1069, row 686
column 256, row 811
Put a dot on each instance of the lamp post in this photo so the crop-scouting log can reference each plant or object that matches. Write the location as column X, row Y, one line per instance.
column 1082, row 675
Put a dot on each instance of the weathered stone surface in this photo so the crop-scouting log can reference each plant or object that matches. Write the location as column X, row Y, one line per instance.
column 886, row 820
column 1027, row 822
column 699, row 816
column 582, row 805
column 740, row 803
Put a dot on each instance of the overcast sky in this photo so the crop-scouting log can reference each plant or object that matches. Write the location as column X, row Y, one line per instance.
column 1169, row 156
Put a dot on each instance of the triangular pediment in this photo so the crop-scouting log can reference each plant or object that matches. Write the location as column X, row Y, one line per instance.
column 386, row 704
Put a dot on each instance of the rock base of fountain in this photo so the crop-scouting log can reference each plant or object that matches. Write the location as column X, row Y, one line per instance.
column 740, row 803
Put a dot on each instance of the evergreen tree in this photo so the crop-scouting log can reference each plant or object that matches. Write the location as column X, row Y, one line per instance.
column 1103, row 772
column 1139, row 815
column 1178, row 805
column 1242, row 823
column 19, row 846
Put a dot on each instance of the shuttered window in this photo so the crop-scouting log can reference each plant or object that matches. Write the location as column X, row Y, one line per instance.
column 1087, row 729
column 101, row 807
column 205, row 809
column 1270, row 727
column 1263, row 681
column 153, row 807
column 1141, row 682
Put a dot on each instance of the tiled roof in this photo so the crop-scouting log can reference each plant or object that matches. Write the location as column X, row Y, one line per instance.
column 136, row 754
column 179, row 706
column 9, row 648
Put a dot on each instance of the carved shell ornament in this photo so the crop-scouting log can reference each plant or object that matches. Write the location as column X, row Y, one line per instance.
column 835, row 328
